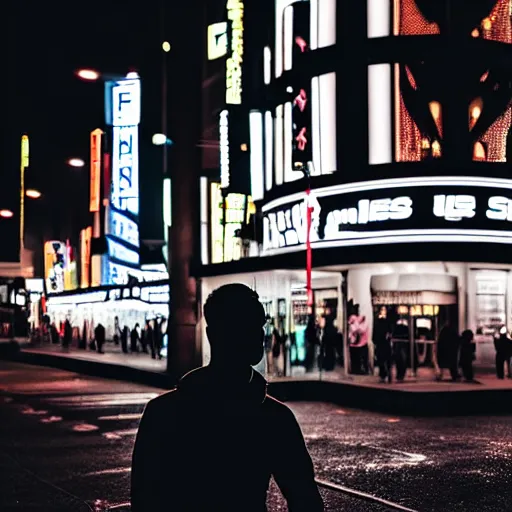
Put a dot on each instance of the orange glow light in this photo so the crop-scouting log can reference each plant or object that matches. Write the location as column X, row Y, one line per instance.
column 32, row 193
column 6, row 214
column 88, row 74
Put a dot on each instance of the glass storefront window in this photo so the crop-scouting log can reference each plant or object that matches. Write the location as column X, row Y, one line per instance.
column 490, row 302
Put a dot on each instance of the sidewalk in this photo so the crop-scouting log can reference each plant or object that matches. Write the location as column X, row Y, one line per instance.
column 421, row 395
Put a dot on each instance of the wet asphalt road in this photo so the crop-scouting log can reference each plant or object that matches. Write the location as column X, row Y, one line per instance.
column 66, row 442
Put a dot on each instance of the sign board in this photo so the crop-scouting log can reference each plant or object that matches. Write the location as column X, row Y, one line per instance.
column 393, row 211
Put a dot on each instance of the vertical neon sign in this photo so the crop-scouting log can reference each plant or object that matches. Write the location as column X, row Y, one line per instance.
column 123, row 100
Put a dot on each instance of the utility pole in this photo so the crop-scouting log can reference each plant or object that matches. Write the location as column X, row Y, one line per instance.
column 188, row 46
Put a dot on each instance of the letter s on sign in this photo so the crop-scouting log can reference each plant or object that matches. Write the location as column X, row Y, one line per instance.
column 401, row 208
column 498, row 206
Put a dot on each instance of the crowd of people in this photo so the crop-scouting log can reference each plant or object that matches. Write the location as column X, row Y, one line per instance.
column 150, row 339
column 452, row 351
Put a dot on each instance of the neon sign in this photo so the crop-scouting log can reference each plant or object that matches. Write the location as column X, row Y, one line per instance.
column 123, row 113
column 235, row 10
column 224, row 149
column 404, row 210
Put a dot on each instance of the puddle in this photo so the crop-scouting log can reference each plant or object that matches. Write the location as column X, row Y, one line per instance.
column 51, row 419
column 85, row 427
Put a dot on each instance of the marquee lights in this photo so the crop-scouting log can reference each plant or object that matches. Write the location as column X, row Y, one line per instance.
column 235, row 10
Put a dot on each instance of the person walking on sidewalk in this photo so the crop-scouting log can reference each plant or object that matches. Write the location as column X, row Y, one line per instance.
column 230, row 469
column 502, row 344
column 382, row 342
column 447, row 352
column 99, row 336
column 467, row 354
column 135, row 338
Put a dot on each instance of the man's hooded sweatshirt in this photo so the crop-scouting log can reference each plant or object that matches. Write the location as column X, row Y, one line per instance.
column 213, row 446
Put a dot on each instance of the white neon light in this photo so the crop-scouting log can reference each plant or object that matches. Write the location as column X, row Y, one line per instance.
column 379, row 114
column 278, row 141
column 224, row 149
column 167, row 202
column 256, row 137
column 455, row 181
column 313, row 24
column 290, row 174
column 288, row 38
column 203, row 187
column 379, row 18
column 269, row 148
column 327, row 97
column 326, row 22
column 404, row 236
column 315, row 126
column 267, row 65
column 279, row 50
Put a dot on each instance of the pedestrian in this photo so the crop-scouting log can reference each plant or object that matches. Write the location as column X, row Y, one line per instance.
column 135, row 338
column 447, row 352
column 502, row 345
column 149, row 337
column 382, row 342
column 233, row 464
column 99, row 336
column 158, row 337
column 467, row 354
column 117, row 330
column 401, row 346
column 67, row 334
column 125, row 334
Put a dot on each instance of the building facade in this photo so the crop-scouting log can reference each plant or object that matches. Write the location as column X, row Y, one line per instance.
column 379, row 142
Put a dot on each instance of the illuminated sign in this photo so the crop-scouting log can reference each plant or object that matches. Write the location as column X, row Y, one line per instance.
column 217, row 40
column 227, row 217
column 126, row 103
column 217, row 228
column 24, row 151
column 121, row 253
column 95, row 170
column 125, row 168
column 85, row 257
column 224, row 148
column 123, row 228
column 54, row 266
column 235, row 10
column 123, row 113
column 393, row 211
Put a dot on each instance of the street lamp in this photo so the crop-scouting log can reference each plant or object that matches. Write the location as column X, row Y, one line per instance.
column 33, row 193
column 160, row 139
column 88, row 74
column 76, row 162
column 6, row 214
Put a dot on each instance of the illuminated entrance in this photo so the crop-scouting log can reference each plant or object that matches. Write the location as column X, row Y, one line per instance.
column 417, row 307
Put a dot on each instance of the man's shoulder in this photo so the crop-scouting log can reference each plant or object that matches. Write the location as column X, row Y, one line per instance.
column 278, row 409
column 162, row 402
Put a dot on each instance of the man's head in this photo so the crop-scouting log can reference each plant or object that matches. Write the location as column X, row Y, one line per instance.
column 235, row 319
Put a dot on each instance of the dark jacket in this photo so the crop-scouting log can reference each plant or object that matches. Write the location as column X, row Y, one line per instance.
column 205, row 447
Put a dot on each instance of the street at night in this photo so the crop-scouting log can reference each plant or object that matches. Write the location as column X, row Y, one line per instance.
column 66, row 443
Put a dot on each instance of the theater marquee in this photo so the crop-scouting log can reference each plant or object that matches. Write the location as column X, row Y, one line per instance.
column 464, row 209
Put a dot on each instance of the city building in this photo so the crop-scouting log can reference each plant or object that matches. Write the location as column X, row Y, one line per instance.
column 383, row 127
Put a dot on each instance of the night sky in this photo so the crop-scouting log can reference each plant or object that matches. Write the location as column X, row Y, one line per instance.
column 47, row 42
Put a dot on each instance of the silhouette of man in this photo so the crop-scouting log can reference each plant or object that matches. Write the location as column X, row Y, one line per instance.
column 213, row 443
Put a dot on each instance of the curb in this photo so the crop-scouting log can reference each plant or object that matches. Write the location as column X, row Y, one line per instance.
column 394, row 401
